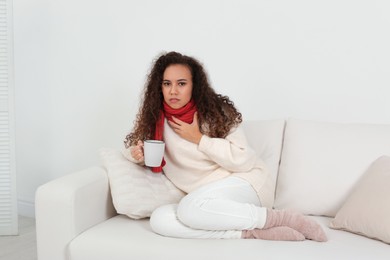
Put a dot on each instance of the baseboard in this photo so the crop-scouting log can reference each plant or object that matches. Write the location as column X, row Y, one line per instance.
column 26, row 208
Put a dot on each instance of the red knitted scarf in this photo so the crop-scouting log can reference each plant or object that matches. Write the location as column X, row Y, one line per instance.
column 185, row 114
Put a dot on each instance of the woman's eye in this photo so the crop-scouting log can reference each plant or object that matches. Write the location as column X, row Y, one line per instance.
column 166, row 84
column 182, row 83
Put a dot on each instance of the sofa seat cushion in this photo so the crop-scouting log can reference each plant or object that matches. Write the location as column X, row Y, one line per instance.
column 121, row 238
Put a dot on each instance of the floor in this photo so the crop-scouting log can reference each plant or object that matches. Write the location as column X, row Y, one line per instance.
column 23, row 246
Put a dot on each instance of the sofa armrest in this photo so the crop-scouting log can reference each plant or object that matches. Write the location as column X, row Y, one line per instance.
column 67, row 206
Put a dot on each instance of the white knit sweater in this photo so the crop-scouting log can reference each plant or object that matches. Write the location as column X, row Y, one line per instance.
column 190, row 166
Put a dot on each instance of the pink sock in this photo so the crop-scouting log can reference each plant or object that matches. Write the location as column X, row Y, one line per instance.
column 274, row 233
column 308, row 227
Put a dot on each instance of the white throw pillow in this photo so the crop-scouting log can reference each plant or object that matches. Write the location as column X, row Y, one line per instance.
column 135, row 190
column 367, row 209
column 322, row 162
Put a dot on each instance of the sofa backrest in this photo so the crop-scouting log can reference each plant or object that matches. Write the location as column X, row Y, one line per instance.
column 266, row 137
column 322, row 162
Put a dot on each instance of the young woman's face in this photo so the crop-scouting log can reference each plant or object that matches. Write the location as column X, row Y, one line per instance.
column 177, row 85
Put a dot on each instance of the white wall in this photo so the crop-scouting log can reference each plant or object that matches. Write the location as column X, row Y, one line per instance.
column 80, row 66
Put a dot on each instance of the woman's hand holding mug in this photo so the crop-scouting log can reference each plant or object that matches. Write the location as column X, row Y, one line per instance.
column 137, row 152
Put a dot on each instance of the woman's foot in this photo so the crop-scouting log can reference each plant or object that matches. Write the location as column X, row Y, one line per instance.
column 274, row 233
column 303, row 224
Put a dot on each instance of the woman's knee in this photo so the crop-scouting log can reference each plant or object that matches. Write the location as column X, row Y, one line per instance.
column 162, row 217
column 189, row 211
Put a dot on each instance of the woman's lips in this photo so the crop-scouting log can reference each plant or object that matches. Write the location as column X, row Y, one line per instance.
column 173, row 100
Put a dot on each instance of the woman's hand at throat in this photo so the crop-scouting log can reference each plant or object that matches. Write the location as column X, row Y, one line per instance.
column 189, row 132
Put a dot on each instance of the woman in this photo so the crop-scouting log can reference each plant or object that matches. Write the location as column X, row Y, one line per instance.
column 207, row 156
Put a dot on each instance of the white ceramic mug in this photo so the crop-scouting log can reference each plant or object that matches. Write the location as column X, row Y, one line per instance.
column 153, row 152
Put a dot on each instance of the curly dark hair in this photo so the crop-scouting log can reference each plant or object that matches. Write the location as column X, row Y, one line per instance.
column 216, row 113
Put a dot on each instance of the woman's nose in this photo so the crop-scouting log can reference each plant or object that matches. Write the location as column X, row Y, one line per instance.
column 174, row 89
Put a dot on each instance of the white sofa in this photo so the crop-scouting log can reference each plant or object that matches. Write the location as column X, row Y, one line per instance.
column 315, row 167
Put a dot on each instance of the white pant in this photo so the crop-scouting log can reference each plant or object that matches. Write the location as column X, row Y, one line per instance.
column 221, row 209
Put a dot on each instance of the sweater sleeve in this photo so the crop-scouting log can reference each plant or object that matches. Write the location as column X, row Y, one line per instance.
column 232, row 153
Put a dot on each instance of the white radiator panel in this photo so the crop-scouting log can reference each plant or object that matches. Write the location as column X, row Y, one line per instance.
column 8, row 209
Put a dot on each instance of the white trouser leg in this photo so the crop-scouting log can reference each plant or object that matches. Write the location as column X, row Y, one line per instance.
column 164, row 221
column 218, row 210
